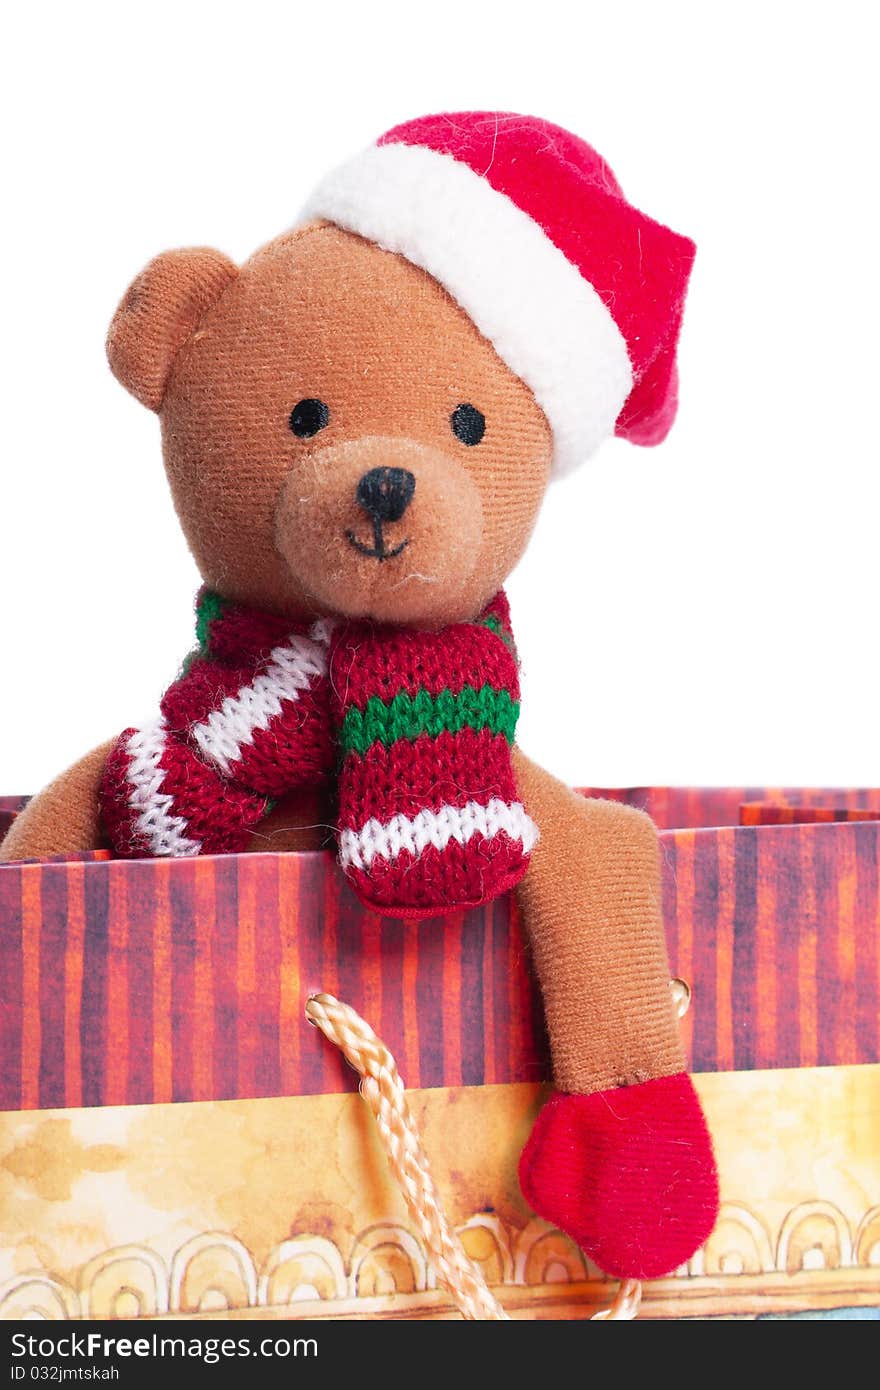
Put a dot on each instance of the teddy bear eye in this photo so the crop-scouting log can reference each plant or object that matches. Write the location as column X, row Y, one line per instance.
column 309, row 416
column 468, row 424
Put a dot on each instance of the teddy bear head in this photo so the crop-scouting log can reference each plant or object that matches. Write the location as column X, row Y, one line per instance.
column 338, row 435
column 363, row 419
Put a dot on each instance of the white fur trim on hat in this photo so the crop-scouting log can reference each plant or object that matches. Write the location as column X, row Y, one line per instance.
column 542, row 317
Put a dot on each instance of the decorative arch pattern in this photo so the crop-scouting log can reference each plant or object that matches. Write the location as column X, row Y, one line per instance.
column 213, row 1271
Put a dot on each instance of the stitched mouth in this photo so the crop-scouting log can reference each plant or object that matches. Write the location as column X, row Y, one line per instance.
column 378, row 550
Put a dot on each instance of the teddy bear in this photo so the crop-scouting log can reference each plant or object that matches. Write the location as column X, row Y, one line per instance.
column 358, row 426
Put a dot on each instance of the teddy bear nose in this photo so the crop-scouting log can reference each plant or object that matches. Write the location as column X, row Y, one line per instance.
column 385, row 493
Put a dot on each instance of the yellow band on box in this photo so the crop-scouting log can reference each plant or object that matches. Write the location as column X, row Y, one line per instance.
column 284, row 1208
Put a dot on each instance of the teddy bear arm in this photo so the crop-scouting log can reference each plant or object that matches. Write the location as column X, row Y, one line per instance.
column 63, row 818
column 591, row 906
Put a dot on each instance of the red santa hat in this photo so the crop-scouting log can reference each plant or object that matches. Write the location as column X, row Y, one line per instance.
column 527, row 228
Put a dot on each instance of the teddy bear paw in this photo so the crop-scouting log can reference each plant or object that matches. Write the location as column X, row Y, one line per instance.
column 628, row 1173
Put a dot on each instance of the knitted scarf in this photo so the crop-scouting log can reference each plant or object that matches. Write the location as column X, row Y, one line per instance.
column 417, row 725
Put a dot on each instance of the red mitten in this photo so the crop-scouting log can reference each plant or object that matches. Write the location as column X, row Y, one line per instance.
column 629, row 1174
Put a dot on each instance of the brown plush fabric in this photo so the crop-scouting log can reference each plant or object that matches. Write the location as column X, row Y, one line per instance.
column 444, row 527
column 160, row 310
column 591, row 908
column 63, row 819
column 321, row 314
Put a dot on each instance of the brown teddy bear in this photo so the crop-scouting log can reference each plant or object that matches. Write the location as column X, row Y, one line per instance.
column 359, row 426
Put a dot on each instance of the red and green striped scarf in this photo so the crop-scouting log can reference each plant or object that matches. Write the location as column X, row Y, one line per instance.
column 417, row 726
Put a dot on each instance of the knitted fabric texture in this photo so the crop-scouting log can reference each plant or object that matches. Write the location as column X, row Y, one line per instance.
column 419, row 724
column 629, row 1174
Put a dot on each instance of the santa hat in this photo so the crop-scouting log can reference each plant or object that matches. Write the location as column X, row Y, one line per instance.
column 527, row 228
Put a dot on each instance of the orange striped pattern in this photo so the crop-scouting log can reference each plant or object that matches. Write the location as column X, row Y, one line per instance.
column 776, row 813
column 147, row 981
column 36, row 1001
column 75, row 923
column 692, row 808
column 166, row 991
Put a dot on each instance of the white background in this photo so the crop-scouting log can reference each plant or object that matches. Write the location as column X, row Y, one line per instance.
column 701, row 613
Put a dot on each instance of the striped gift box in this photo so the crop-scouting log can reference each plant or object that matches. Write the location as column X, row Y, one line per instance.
column 176, row 1142
column 155, row 981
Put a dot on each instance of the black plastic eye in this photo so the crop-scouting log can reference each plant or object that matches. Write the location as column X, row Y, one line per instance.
column 468, row 424
column 308, row 417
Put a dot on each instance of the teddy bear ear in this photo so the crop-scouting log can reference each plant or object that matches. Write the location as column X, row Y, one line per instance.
column 160, row 310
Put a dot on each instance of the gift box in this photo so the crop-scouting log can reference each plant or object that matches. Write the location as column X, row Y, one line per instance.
column 176, row 1140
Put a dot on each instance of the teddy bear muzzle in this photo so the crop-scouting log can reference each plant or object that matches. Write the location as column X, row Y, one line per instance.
column 381, row 527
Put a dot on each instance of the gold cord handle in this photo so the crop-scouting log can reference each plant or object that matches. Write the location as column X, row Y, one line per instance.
column 385, row 1094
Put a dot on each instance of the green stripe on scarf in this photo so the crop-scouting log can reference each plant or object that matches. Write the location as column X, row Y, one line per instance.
column 495, row 625
column 408, row 716
column 209, row 607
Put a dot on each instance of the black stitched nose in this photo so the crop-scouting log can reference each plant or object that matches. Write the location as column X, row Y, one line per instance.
column 385, row 493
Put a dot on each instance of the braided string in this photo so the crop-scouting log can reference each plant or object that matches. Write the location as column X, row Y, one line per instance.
column 384, row 1092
